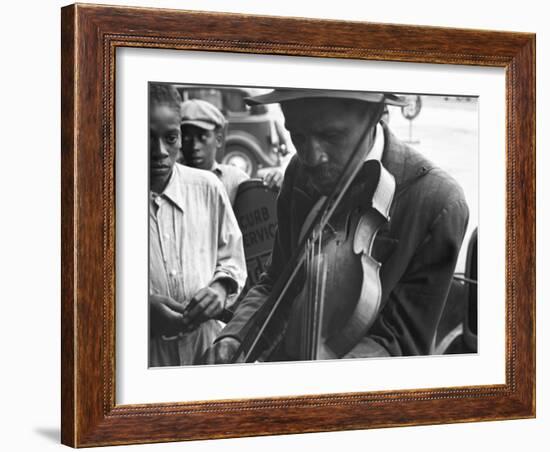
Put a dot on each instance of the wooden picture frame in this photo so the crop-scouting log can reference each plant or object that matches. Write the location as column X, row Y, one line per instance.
column 90, row 37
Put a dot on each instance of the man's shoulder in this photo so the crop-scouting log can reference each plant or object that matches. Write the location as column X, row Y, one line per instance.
column 294, row 171
column 418, row 174
column 434, row 182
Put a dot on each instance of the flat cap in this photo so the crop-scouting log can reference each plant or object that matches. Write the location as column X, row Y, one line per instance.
column 279, row 95
column 199, row 113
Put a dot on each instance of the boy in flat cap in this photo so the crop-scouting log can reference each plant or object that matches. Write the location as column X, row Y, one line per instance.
column 417, row 247
column 203, row 129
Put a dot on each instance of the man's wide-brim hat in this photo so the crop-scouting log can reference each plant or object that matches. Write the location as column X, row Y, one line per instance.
column 288, row 94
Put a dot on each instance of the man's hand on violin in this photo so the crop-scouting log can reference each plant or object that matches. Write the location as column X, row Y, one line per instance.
column 222, row 351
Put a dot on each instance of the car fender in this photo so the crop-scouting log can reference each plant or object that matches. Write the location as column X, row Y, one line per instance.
column 249, row 141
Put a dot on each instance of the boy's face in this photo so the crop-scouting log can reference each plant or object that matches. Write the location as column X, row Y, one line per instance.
column 164, row 144
column 199, row 146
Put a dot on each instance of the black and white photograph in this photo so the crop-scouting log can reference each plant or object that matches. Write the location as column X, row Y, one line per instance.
column 248, row 226
column 292, row 224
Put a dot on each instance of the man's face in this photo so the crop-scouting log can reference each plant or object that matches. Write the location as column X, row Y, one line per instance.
column 199, row 146
column 325, row 133
column 164, row 143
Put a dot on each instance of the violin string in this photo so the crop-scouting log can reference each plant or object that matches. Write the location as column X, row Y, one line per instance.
column 304, row 314
column 311, row 303
column 311, row 314
column 312, row 306
column 302, row 330
column 309, row 300
column 316, row 301
column 322, row 301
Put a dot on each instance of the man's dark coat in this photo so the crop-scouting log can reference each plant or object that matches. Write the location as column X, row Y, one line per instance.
column 418, row 250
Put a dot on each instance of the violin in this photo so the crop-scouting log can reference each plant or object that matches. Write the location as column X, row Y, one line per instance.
column 340, row 291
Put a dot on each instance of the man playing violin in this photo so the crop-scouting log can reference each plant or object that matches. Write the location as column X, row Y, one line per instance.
column 417, row 246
